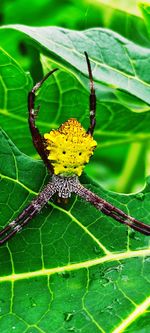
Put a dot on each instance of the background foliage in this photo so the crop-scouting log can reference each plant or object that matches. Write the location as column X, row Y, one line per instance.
column 73, row 269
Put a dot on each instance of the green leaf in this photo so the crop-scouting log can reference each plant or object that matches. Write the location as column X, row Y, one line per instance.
column 145, row 8
column 122, row 88
column 14, row 87
column 69, row 46
column 72, row 269
column 123, row 17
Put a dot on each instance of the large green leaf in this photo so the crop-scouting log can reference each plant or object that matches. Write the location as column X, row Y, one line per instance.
column 120, row 16
column 72, row 269
column 124, row 71
column 122, row 87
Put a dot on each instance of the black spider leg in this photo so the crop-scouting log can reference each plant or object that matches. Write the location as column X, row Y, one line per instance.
column 92, row 98
column 112, row 211
column 36, row 136
column 27, row 214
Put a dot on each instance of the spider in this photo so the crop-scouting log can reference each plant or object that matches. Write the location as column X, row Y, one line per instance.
column 65, row 152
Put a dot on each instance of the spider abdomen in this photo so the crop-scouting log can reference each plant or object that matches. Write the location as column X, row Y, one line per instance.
column 69, row 148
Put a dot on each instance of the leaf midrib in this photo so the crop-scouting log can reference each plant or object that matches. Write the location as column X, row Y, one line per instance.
column 72, row 267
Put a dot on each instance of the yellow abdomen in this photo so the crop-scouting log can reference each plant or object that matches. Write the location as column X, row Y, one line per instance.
column 69, row 147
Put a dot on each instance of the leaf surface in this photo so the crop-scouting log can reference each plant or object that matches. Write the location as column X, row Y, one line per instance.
column 72, row 266
column 72, row 269
column 69, row 46
column 122, row 89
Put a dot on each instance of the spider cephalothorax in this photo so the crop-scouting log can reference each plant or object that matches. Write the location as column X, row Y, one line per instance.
column 65, row 152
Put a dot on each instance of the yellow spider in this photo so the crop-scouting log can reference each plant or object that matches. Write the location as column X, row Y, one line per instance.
column 65, row 152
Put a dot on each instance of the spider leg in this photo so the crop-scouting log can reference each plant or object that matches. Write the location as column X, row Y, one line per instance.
column 92, row 98
column 112, row 211
column 14, row 223
column 36, row 136
column 129, row 221
column 27, row 214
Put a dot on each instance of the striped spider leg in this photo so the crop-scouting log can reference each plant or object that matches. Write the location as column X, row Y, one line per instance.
column 112, row 211
column 27, row 214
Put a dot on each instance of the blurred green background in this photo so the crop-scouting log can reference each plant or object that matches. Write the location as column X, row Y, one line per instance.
column 115, row 168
